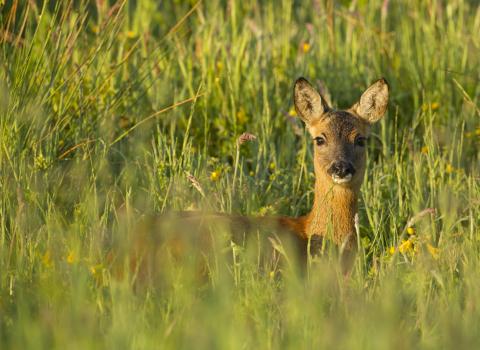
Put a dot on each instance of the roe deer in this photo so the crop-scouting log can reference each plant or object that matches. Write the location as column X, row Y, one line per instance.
column 339, row 138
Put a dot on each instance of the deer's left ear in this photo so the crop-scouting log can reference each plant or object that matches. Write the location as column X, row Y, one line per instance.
column 373, row 102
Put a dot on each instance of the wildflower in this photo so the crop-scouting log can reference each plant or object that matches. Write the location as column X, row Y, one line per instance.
column 245, row 137
column 292, row 112
column 391, row 250
column 272, row 166
column 424, row 150
column 434, row 252
column 47, row 259
column 306, row 47
column 433, row 106
column 406, row 247
column 95, row 29
column 195, row 183
column 272, row 275
column 217, row 80
column 130, row 34
column 411, row 230
column 215, row 175
column 94, row 269
column 71, row 258
column 449, row 169
column 241, row 116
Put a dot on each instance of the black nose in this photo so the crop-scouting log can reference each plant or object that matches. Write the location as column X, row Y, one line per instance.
column 341, row 169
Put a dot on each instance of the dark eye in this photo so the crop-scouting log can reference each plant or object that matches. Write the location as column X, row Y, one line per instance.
column 360, row 141
column 319, row 140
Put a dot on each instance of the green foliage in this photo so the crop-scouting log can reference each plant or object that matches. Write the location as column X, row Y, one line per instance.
column 105, row 107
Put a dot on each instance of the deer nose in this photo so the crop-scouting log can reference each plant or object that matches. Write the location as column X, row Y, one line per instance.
column 341, row 169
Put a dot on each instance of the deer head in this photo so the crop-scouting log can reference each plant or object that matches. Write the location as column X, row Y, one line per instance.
column 339, row 136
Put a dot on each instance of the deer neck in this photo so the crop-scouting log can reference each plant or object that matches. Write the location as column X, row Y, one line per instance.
column 333, row 212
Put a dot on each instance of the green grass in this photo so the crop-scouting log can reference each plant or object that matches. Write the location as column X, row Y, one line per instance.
column 86, row 148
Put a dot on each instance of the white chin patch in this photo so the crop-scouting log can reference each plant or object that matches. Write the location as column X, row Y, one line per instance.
column 342, row 180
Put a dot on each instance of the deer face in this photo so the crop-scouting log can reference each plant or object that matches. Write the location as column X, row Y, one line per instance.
column 339, row 136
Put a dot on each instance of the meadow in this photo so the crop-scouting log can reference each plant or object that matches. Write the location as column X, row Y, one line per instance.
column 111, row 110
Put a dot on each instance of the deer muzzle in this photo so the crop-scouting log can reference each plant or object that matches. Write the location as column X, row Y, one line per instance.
column 341, row 171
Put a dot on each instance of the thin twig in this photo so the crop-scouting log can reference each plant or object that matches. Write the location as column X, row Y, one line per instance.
column 156, row 114
column 466, row 96
column 70, row 150
column 183, row 19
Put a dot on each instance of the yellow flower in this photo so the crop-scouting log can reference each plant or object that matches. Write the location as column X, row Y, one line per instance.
column 406, row 246
column 95, row 29
column 215, row 175
column 272, row 274
column 130, row 34
column 94, row 269
column 434, row 252
column 47, row 259
column 241, row 116
column 71, row 258
column 272, row 166
column 411, row 230
column 391, row 250
column 306, row 47
column 433, row 106
column 424, row 150
column 292, row 112
column 449, row 169
column 219, row 66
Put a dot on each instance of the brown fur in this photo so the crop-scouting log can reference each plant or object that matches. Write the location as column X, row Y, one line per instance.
column 335, row 204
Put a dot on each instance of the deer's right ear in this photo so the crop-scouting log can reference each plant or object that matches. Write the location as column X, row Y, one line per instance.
column 309, row 104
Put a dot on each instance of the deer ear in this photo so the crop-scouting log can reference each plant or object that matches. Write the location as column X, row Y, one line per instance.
column 309, row 104
column 373, row 103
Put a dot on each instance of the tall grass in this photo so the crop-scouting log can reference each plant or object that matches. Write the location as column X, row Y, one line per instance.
column 105, row 107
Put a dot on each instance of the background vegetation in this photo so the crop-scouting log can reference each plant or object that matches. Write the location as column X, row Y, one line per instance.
column 108, row 107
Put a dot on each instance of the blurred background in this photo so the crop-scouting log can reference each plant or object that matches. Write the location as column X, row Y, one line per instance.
column 112, row 110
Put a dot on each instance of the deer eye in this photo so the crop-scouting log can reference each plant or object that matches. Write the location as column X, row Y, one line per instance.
column 360, row 141
column 319, row 140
